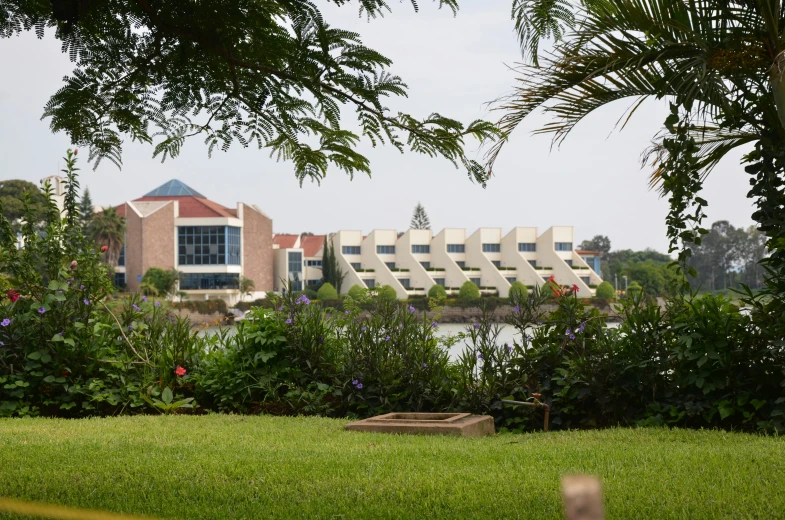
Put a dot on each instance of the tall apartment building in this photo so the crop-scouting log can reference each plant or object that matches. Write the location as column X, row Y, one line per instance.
column 417, row 260
column 174, row 226
column 298, row 258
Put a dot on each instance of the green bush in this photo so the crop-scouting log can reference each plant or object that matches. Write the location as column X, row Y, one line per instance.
column 605, row 290
column 203, row 306
column 327, row 292
column 518, row 291
column 437, row 291
column 357, row 292
column 311, row 294
column 469, row 291
column 634, row 289
column 164, row 281
column 386, row 292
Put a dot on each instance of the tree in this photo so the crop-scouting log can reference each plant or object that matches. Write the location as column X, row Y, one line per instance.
column 438, row 292
column 272, row 73
column 327, row 292
column 356, row 292
column 332, row 273
column 386, row 292
column 107, row 228
column 518, row 292
column 420, row 218
column 469, row 291
column 721, row 65
column 163, row 281
column 634, row 289
column 246, row 287
column 12, row 195
column 599, row 243
column 86, row 209
column 605, row 291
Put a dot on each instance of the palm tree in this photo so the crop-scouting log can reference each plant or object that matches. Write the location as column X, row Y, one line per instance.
column 720, row 63
column 107, row 228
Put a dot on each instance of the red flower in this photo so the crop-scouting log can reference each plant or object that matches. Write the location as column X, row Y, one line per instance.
column 536, row 396
column 64, row 373
column 104, row 249
column 74, row 265
column 575, row 288
column 76, row 151
column 12, row 295
column 180, row 371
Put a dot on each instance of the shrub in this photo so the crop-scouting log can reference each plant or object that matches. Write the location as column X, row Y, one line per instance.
column 311, row 294
column 162, row 280
column 605, row 290
column 357, row 292
column 327, row 292
column 386, row 292
column 437, row 291
column 469, row 291
column 203, row 306
column 518, row 291
column 634, row 289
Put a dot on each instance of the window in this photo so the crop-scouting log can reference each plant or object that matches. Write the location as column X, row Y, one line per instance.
column 421, row 248
column 533, row 263
column 440, row 281
column 491, row 248
column 390, row 265
column 563, row 246
column 313, row 282
column 197, row 281
column 546, row 278
column 426, row 265
column 295, row 262
column 527, row 247
column 511, row 279
column 476, row 281
column 356, row 265
column 568, row 262
column 497, row 263
column 370, row 283
column 121, row 258
column 208, row 245
column 586, row 280
column 350, row 250
column 297, row 285
column 385, row 250
column 461, row 264
column 313, row 263
column 404, row 282
column 456, row 248
column 119, row 280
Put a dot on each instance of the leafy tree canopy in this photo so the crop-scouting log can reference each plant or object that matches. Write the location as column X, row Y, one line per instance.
column 599, row 243
column 12, row 194
column 271, row 73
column 420, row 218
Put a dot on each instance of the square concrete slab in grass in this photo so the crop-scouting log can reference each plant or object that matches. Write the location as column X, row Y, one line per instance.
column 459, row 424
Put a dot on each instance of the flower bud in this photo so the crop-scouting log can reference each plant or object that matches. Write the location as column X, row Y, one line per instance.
column 74, row 265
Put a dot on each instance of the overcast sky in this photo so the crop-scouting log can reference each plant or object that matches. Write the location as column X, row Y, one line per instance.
column 453, row 65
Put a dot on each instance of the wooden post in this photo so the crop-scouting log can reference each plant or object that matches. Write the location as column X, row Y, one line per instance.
column 582, row 495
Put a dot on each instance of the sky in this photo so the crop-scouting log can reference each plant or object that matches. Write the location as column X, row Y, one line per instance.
column 453, row 65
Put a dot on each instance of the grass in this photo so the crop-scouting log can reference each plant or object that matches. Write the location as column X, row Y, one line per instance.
column 228, row 467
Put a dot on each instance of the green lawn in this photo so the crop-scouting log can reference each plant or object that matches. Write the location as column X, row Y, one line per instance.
column 230, row 467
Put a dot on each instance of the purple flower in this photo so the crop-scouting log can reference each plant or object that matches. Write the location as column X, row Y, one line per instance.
column 509, row 348
column 480, row 356
column 425, row 365
column 321, row 339
column 1, row 343
column 517, row 309
column 81, row 287
column 568, row 332
column 130, row 327
column 5, row 323
column 157, row 304
column 364, row 328
column 387, row 338
column 411, row 308
column 526, row 340
column 434, row 324
column 86, row 301
column 135, row 306
column 581, row 327
column 280, row 308
column 359, row 386
column 476, row 326
column 302, row 300
column 572, row 336
column 144, row 298
column 288, row 321
column 355, row 382
column 41, row 310
column 346, row 312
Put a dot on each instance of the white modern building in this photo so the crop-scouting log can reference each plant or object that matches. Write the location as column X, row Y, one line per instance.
column 415, row 261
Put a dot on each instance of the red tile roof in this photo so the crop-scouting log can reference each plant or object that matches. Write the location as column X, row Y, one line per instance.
column 196, row 207
column 285, row 241
column 311, row 245
column 585, row 252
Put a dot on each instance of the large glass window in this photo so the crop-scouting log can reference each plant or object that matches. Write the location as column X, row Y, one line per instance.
column 563, row 246
column 527, row 247
column 421, row 248
column 586, row 280
column 370, row 283
column 497, row 263
column 533, row 263
column 119, row 280
column 350, row 250
column 491, row 248
column 426, row 265
column 313, row 282
column 511, row 279
column 297, row 285
column 456, row 248
column 295, row 262
column 201, row 281
column 390, row 265
column 355, row 265
column 461, row 264
column 568, row 262
column 440, row 281
column 476, row 281
column 121, row 258
column 385, row 250
column 208, row 245
column 404, row 282
column 313, row 263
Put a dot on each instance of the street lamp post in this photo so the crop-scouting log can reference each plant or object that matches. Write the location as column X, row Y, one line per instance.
column 625, row 283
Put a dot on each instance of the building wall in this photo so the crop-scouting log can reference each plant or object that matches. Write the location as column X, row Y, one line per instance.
column 350, row 238
column 524, row 272
column 257, row 246
column 454, row 276
column 404, row 258
column 475, row 257
column 563, row 273
column 133, row 247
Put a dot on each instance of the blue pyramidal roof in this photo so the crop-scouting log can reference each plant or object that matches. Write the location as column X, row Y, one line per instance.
column 174, row 188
